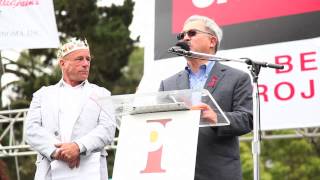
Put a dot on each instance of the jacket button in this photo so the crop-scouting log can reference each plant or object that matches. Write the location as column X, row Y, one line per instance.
column 56, row 133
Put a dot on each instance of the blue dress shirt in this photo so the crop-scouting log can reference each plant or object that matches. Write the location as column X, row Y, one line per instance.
column 197, row 80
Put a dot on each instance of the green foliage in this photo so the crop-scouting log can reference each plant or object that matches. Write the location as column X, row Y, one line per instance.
column 246, row 159
column 290, row 159
column 106, row 29
column 132, row 73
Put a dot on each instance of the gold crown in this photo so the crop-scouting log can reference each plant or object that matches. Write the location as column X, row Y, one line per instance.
column 72, row 45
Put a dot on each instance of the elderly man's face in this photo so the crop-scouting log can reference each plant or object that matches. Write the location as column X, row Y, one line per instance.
column 75, row 66
column 202, row 40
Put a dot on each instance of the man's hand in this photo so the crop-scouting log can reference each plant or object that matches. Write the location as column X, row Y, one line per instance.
column 68, row 152
column 74, row 163
column 207, row 112
column 56, row 154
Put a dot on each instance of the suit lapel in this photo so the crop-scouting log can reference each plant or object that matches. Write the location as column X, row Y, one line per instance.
column 215, row 77
column 183, row 80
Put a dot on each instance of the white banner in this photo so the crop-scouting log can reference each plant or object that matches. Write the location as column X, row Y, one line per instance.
column 27, row 24
column 289, row 98
column 157, row 146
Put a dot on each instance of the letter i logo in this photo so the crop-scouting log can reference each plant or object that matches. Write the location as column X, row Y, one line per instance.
column 155, row 146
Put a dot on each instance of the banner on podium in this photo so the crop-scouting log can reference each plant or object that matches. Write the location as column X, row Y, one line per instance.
column 157, row 146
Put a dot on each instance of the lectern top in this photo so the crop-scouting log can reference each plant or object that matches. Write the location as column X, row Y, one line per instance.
column 178, row 100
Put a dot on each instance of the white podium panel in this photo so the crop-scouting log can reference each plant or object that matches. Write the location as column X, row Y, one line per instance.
column 157, row 146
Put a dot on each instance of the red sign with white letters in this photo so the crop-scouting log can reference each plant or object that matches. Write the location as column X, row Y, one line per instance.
column 244, row 23
column 227, row 12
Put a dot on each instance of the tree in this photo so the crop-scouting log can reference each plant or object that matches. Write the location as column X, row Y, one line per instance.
column 290, row 159
column 106, row 29
column 131, row 74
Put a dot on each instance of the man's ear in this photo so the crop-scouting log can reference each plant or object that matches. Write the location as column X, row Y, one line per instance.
column 61, row 62
column 213, row 42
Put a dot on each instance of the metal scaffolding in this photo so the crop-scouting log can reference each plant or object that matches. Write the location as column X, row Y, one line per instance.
column 12, row 140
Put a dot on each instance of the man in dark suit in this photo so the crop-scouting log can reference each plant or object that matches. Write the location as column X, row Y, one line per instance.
column 218, row 156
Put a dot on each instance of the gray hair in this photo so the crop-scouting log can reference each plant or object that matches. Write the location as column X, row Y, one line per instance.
column 210, row 24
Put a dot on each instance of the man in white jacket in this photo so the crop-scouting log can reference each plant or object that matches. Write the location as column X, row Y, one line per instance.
column 66, row 126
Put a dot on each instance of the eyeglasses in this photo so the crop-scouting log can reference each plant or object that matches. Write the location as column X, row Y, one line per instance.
column 191, row 33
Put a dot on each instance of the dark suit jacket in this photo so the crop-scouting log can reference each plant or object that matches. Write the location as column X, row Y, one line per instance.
column 218, row 156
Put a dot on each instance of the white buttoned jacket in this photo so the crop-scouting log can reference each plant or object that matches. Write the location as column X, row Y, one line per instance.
column 94, row 127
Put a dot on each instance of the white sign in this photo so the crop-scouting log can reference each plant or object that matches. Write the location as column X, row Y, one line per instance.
column 157, row 146
column 290, row 97
column 27, row 24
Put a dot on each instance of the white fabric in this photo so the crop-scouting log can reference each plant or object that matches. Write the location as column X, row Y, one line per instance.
column 89, row 169
column 69, row 107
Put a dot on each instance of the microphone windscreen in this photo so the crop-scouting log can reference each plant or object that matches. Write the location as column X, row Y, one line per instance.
column 183, row 45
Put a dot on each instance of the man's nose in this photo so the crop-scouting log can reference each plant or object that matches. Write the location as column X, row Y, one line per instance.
column 85, row 63
column 186, row 37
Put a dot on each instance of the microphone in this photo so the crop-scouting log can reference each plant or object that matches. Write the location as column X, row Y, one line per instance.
column 183, row 49
column 183, row 45
column 180, row 49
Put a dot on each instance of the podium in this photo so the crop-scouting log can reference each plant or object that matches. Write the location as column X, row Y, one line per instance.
column 164, row 101
column 159, row 133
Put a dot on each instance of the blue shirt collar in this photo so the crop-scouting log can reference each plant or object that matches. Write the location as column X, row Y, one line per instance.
column 204, row 67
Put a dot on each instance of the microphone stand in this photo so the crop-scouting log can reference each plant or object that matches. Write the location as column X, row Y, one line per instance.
column 254, row 67
column 256, row 141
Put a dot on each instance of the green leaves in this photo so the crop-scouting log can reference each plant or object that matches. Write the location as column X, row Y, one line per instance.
column 290, row 159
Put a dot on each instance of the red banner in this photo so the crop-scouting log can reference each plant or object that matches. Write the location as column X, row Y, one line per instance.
column 227, row 12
